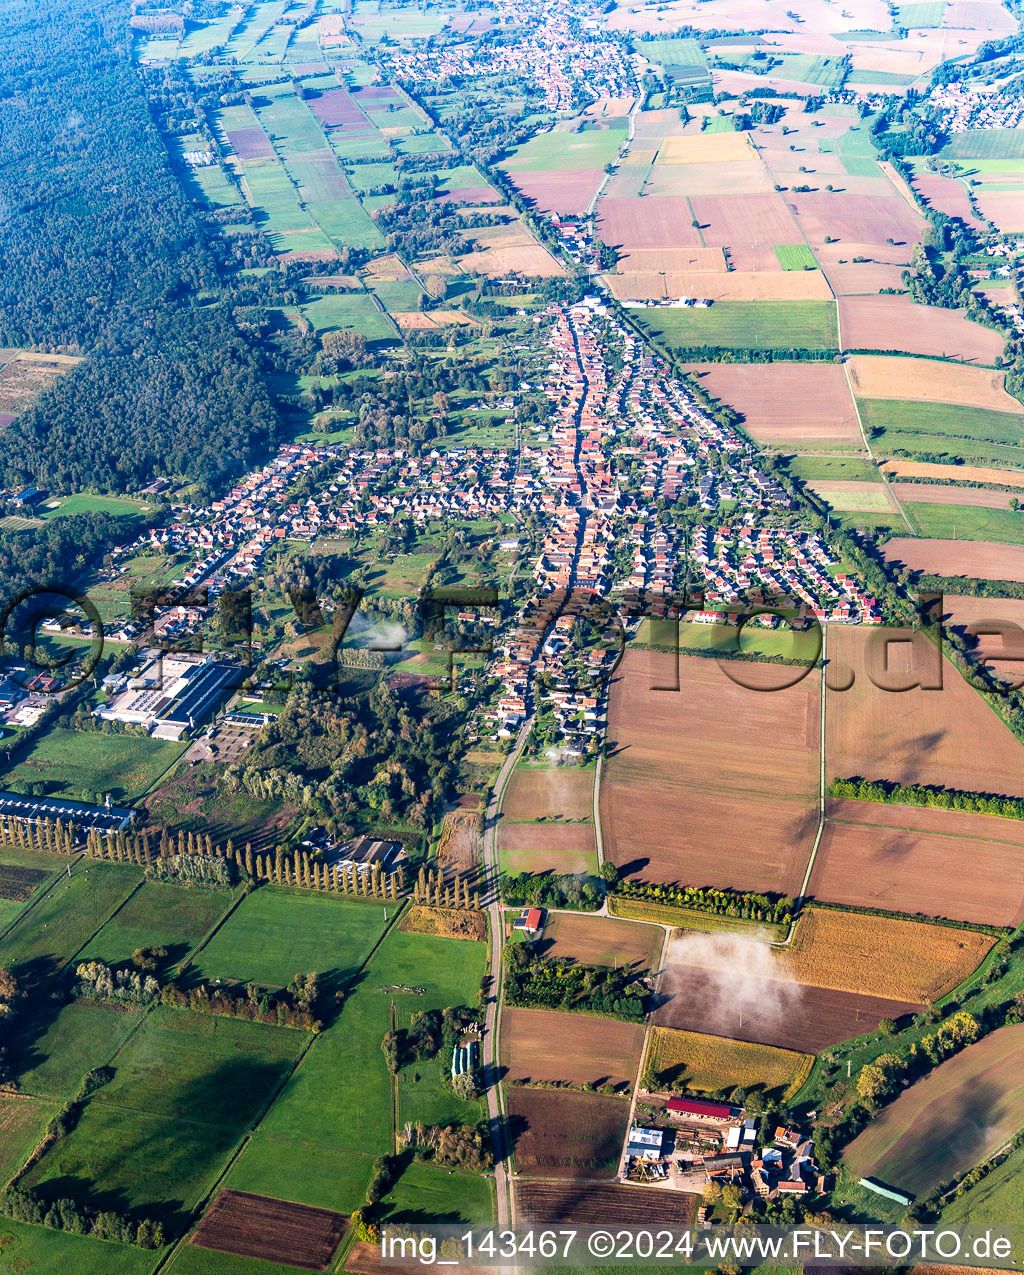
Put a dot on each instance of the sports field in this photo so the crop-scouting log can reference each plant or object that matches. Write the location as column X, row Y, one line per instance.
column 747, row 325
column 979, row 1093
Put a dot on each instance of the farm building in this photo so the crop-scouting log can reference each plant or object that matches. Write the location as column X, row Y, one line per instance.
column 364, row 852
column 530, row 921
column 466, row 1058
column 647, row 1144
column 888, row 1192
column 701, row 1109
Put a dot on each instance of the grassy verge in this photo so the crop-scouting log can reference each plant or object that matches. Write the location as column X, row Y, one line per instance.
column 691, row 919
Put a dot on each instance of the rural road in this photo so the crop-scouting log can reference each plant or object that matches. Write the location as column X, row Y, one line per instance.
column 491, row 1064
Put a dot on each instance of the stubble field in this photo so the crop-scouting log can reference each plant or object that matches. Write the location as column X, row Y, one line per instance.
column 561, row 1133
column 579, row 1049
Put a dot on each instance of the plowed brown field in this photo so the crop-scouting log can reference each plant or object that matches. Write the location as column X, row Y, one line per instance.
column 786, row 403
column 898, row 323
column 577, row 1049
column 272, row 1230
column 948, row 737
column 976, row 559
column 560, row 1133
column 714, row 784
column 544, row 792
column 602, row 940
column 587, row 1204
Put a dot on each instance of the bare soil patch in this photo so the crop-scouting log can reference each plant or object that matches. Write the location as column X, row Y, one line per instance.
column 566, row 1134
column 898, row 323
column 549, row 792
column 601, row 940
column 929, row 381
column 588, row 1204
column 976, row 559
column 550, row 1046
column 272, row 1230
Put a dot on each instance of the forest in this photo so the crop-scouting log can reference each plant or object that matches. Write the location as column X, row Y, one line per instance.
column 105, row 256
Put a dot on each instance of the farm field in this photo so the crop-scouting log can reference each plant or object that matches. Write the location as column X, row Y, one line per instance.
column 965, row 520
column 549, row 792
column 270, row 1230
column 914, row 736
column 855, row 497
column 547, row 847
column 997, row 649
column 954, row 473
column 929, row 381
column 84, row 764
column 973, row 559
column 590, row 1205
column 904, row 859
column 704, row 1064
column 549, row 1045
column 937, row 428
column 601, row 940
column 73, row 910
column 747, row 325
column 22, row 1122
column 980, row 1092
column 275, row 932
column 158, row 915
column 51, row 1054
column 689, row 774
column 974, row 497
column 786, row 404
column 560, row 1133
column 36, row 1248
column 340, row 1096
column 898, row 323
column 431, row 1191
column 328, row 1179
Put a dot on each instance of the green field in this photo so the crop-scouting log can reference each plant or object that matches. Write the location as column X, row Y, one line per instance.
column 796, row 257
column 85, row 503
column 52, row 1051
column 36, row 1249
column 202, row 1067
column 986, row 143
column 746, row 325
column 967, row 522
column 349, row 311
column 22, row 1121
column 430, row 1191
column 190, row 1259
column 276, row 932
column 90, row 764
column 848, row 468
column 940, row 427
column 995, row 1201
column 924, row 13
column 159, row 915
column 341, row 1094
column 548, row 152
column 70, row 914
column 328, row 1179
column 865, row 500
column 122, row 1159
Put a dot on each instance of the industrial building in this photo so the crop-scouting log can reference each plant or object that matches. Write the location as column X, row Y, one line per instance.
column 106, row 818
column 171, row 694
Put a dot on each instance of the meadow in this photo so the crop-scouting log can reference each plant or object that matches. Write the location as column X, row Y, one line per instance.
column 276, row 932
column 747, row 325
column 51, row 1052
column 90, row 764
column 967, row 522
column 941, row 426
column 158, row 915
column 350, row 312
column 58, row 925
column 35, row 1248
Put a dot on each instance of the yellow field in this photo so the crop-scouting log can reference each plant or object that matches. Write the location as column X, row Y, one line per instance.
column 880, row 955
column 705, row 148
column 445, row 923
column 732, row 285
column 962, row 473
column 689, row 1060
column 928, row 381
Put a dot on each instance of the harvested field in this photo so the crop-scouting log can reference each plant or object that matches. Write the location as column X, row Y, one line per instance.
column 271, row 1230
column 979, row 1093
column 704, row 1064
column 567, row 192
column 863, row 277
column 789, row 404
column 898, row 323
column 1003, row 208
column 946, row 195
column 974, row 559
column 997, row 625
column 745, row 220
column 883, row 864
column 445, row 923
column 17, row 885
column 548, row 847
column 925, row 381
column 646, row 223
column 601, row 940
column 948, row 737
column 549, row 792
column 852, row 496
column 548, row 1045
column 705, row 148
column 564, row 1134
column 335, row 107
column 934, row 494
column 855, row 218
column 590, row 1205
column 745, row 285
column 690, row 774
column 745, row 177
column 459, row 847
column 895, row 468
